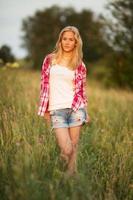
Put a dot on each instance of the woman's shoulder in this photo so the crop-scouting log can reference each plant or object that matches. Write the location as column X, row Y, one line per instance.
column 82, row 66
column 46, row 61
column 48, row 58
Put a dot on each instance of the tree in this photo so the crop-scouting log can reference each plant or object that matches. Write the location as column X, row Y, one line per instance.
column 121, row 38
column 6, row 54
column 122, row 26
column 42, row 29
column 90, row 28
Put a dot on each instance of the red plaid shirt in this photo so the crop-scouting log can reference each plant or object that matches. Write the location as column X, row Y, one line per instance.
column 79, row 80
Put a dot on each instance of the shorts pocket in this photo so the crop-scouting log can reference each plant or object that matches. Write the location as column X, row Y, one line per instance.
column 85, row 113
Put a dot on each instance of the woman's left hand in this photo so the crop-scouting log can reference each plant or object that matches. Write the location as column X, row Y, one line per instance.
column 88, row 119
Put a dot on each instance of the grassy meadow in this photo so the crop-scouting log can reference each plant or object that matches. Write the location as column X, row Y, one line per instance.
column 30, row 168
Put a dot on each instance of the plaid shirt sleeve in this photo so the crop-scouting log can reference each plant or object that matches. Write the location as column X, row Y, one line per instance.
column 80, row 84
column 84, row 72
column 43, row 89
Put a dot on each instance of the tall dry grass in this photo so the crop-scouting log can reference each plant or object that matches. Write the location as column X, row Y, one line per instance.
column 30, row 167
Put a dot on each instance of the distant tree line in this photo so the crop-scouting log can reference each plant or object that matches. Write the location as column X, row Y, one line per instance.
column 111, row 40
column 42, row 29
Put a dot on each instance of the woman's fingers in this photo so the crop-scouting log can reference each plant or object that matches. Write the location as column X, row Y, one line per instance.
column 88, row 119
column 47, row 118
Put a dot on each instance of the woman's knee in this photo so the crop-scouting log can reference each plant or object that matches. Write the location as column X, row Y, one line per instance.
column 68, row 150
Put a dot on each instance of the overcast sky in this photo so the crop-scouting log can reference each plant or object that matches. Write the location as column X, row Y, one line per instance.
column 13, row 11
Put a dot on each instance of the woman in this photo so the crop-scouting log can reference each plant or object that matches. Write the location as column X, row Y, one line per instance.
column 63, row 101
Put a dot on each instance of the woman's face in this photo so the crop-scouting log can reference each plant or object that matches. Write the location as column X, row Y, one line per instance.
column 68, row 41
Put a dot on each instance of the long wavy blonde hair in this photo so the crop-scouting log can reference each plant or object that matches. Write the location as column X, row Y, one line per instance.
column 77, row 52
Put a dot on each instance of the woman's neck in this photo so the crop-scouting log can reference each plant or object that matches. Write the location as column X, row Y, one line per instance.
column 67, row 55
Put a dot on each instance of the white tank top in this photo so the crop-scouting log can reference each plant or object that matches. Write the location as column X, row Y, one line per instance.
column 61, row 91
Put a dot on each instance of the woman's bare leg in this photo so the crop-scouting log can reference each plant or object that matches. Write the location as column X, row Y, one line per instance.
column 64, row 142
column 74, row 133
column 67, row 139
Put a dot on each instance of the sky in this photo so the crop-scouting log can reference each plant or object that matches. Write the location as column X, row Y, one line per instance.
column 12, row 12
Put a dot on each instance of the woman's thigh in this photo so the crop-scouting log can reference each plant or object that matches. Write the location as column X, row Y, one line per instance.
column 74, row 133
column 63, row 138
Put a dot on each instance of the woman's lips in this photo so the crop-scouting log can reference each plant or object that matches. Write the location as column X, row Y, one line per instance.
column 66, row 46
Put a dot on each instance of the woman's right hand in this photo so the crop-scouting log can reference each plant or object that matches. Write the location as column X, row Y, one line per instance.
column 47, row 118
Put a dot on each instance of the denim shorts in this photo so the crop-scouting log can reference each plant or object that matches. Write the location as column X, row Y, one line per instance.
column 66, row 117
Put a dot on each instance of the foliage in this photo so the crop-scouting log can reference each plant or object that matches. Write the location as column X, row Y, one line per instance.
column 42, row 29
column 121, row 38
column 6, row 54
column 30, row 167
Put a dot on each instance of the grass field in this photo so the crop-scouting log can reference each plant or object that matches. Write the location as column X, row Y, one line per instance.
column 30, row 168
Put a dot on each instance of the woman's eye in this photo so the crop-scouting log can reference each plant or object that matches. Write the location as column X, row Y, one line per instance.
column 68, row 39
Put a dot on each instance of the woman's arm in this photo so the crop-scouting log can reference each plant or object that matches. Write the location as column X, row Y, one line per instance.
column 84, row 93
column 84, row 73
column 43, row 87
column 47, row 118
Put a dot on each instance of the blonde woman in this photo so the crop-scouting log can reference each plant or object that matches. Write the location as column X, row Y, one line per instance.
column 63, row 100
